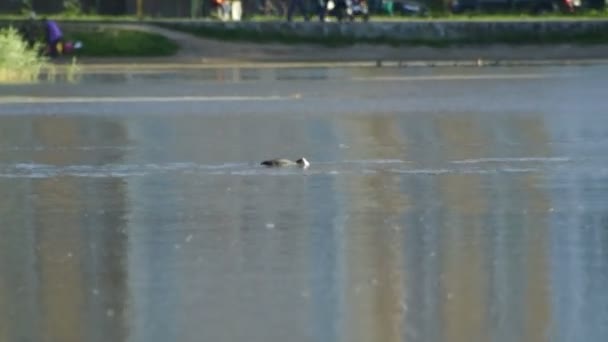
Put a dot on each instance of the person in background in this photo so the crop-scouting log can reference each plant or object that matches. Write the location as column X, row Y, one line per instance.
column 236, row 10
column 292, row 7
column 222, row 8
column 322, row 9
column 53, row 37
column 28, row 30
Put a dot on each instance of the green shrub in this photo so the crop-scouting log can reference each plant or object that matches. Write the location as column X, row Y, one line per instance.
column 18, row 61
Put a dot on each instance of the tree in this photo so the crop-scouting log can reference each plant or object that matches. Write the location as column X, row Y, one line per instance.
column 140, row 8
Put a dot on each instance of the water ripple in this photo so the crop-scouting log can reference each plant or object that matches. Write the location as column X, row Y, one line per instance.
column 513, row 160
column 358, row 167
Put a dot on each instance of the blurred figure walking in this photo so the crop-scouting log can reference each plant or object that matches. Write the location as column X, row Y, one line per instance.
column 222, row 9
column 322, row 9
column 292, row 7
column 236, row 10
column 29, row 30
column 53, row 36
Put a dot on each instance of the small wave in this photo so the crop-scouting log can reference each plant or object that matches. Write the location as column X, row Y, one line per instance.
column 466, row 171
column 374, row 161
column 36, row 170
column 64, row 148
column 423, row 171
column 519, row 170
column 512, row 160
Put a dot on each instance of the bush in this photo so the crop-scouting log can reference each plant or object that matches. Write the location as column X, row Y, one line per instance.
column 18, row 61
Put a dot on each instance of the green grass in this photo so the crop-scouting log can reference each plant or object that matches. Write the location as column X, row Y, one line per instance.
column 338, row 40
column 122, row 43
column 18, row 61
column 236, row 34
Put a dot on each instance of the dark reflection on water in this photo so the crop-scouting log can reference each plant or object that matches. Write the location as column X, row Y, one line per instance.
column 227, row 75
column 446, row 226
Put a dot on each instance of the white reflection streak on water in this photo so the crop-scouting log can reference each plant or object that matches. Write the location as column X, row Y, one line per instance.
column 136, row 99
column 35, row 170
column 454, row 77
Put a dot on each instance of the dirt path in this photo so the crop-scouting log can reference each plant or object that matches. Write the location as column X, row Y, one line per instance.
column 196, row 50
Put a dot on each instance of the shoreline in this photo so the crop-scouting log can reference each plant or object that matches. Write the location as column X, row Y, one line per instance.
column 196, row 51
column 145, row 65
column 263, row 55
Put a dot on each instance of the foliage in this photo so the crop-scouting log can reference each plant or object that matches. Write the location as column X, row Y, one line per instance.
column 26, row 5
column 18, row 61
column 72, row 8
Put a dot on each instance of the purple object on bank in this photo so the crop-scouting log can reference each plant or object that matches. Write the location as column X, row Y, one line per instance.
column 53, row 31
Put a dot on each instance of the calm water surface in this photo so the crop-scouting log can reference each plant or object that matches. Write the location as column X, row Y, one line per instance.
column 441, row 205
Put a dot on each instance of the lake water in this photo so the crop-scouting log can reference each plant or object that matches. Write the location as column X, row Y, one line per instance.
column 442, row 204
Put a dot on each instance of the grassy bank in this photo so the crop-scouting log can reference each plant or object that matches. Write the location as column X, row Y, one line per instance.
column 244, row 35
column 339, row 40
column 122, row 43
column 110, row 42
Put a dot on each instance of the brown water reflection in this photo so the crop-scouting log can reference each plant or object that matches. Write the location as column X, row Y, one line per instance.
column 62, row 259
column 409, row 226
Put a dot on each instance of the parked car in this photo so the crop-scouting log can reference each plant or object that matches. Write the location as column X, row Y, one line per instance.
column 410, row 8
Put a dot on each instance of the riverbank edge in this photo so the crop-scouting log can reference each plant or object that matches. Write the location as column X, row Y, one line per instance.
column 196, row 49
column 146, row 66
column 262, row 55
column 197, row 52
